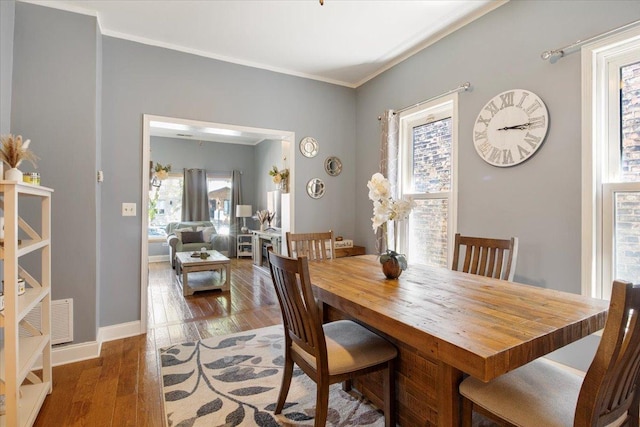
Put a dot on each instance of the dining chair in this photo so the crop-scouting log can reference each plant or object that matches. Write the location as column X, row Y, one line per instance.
column 544, row 393
column 328, row 353
column 486, row 256
column 315, row 246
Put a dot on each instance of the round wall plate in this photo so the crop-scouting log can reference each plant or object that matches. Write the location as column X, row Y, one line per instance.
column 315, row 188
column 309, row 146
column 333, row 166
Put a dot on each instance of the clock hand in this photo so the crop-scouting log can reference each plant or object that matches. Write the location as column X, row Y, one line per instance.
column 519, row 127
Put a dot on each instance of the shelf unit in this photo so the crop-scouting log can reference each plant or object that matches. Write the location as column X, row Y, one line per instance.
column 25, row 361
column 245, row 245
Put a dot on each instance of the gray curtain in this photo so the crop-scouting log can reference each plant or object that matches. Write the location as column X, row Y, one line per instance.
column 234, row 223
column 195, row 196
column 389, row 149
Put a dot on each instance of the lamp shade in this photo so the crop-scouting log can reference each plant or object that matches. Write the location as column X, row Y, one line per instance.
column 244, row 211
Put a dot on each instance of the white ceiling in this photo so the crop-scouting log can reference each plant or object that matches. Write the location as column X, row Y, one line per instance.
column 346, row 42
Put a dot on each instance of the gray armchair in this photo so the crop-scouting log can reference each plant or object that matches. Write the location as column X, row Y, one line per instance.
column 179, row 231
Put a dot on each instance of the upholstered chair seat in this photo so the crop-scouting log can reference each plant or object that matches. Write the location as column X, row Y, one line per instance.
column 543, row 393
column 351, row 347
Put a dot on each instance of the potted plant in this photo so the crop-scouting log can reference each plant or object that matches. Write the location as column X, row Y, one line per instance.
column 12, row 152
column 280, row 178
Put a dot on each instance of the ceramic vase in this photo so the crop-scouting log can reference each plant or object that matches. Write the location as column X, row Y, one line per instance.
column 13, row 174
column 391, row 268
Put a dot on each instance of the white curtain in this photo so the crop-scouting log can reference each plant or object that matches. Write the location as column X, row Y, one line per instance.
column 389, row 149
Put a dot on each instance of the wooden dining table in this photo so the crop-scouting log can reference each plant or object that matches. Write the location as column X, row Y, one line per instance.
column 447, row 324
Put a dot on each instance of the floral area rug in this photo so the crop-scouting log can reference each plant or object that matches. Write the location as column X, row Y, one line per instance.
column 234, row 380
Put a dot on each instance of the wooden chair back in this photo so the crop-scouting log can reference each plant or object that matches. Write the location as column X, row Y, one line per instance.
column 486, row 257
column 300, row 313
column 315, row 246
column 611, row 386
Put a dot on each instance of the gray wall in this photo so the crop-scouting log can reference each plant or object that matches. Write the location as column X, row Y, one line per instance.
column 267, row 155
column 140, row 79
column 55, row 103
column 7, row 14
column 539, row 200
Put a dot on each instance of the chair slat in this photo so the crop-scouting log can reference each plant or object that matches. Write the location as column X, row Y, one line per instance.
column 486, row 256
column 314, row 246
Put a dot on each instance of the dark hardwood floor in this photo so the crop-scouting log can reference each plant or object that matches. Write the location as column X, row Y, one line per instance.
column 123, row 387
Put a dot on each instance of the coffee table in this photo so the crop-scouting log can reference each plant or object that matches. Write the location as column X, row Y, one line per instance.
column 202, row 282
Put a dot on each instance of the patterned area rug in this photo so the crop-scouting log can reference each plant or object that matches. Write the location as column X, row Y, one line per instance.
column 234, row 380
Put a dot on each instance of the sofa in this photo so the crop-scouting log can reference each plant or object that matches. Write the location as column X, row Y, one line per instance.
column 189, row 236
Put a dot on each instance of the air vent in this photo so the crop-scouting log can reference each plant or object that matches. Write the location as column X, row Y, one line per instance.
column 61, row 321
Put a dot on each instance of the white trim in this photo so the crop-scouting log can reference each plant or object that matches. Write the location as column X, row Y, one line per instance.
column 594, row 101
column 288, row 148
column 62, row 355
column 434, row 39
column 444, row 106
column 159, row 258
column 455, row 26
column 75, row 353
column 122, row 330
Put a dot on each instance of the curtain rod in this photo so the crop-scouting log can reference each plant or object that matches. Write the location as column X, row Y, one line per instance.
column 548, row 54
column 463, row 87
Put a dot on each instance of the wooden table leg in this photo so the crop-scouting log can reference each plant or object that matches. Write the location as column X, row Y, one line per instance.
column 227, row 278
column 449, row 405
column 186, row 290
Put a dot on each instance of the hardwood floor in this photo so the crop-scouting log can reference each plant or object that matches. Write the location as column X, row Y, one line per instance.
column 122, row 386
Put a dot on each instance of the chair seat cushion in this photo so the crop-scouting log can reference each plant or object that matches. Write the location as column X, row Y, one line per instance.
column 541, row 393
column 351, row 347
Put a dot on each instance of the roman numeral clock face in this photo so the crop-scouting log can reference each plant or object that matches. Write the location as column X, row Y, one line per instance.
column 510, row 128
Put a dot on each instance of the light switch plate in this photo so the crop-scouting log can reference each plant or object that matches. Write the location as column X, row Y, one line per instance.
column 128, row 209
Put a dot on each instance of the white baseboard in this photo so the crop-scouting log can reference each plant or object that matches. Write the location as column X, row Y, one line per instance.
column 64, row 354
column 158, row 258
column 116, row 332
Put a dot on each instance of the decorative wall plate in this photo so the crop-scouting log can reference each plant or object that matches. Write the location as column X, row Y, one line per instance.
column 309, row 146
column 315, row 188
column 333, row 166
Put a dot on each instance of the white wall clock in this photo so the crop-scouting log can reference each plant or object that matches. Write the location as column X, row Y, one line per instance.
column 510, row 128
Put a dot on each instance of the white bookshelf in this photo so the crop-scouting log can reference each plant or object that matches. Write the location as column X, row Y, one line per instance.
column 244, row 245
column 25, row 387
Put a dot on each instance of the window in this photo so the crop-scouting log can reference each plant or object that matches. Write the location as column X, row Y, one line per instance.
column 611, row 149
column 219, row 201
column 165, row 203
column 428, row 147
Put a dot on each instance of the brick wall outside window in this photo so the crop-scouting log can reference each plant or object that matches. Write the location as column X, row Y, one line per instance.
column 627, row 205
column 431, row 174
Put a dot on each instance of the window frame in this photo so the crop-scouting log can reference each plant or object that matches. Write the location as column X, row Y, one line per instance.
column 601, row 62
column 437, row 109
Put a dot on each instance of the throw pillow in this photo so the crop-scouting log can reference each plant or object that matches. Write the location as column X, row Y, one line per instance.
column 178, row 232
column 192, row 237
column 207, row 232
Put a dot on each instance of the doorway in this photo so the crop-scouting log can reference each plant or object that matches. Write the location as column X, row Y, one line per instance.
column 190, row 130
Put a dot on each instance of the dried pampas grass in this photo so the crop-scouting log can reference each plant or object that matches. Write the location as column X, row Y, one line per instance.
column 13, row 151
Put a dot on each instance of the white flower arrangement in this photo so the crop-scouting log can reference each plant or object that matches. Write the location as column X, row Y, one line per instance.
column 385, row 209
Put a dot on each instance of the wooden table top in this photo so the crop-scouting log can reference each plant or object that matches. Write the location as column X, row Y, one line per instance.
column 482, row 326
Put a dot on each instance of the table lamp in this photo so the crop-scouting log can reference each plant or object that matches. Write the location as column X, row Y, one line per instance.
column 244, row 212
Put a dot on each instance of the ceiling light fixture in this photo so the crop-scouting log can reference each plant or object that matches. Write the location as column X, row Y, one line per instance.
column 321, row 2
